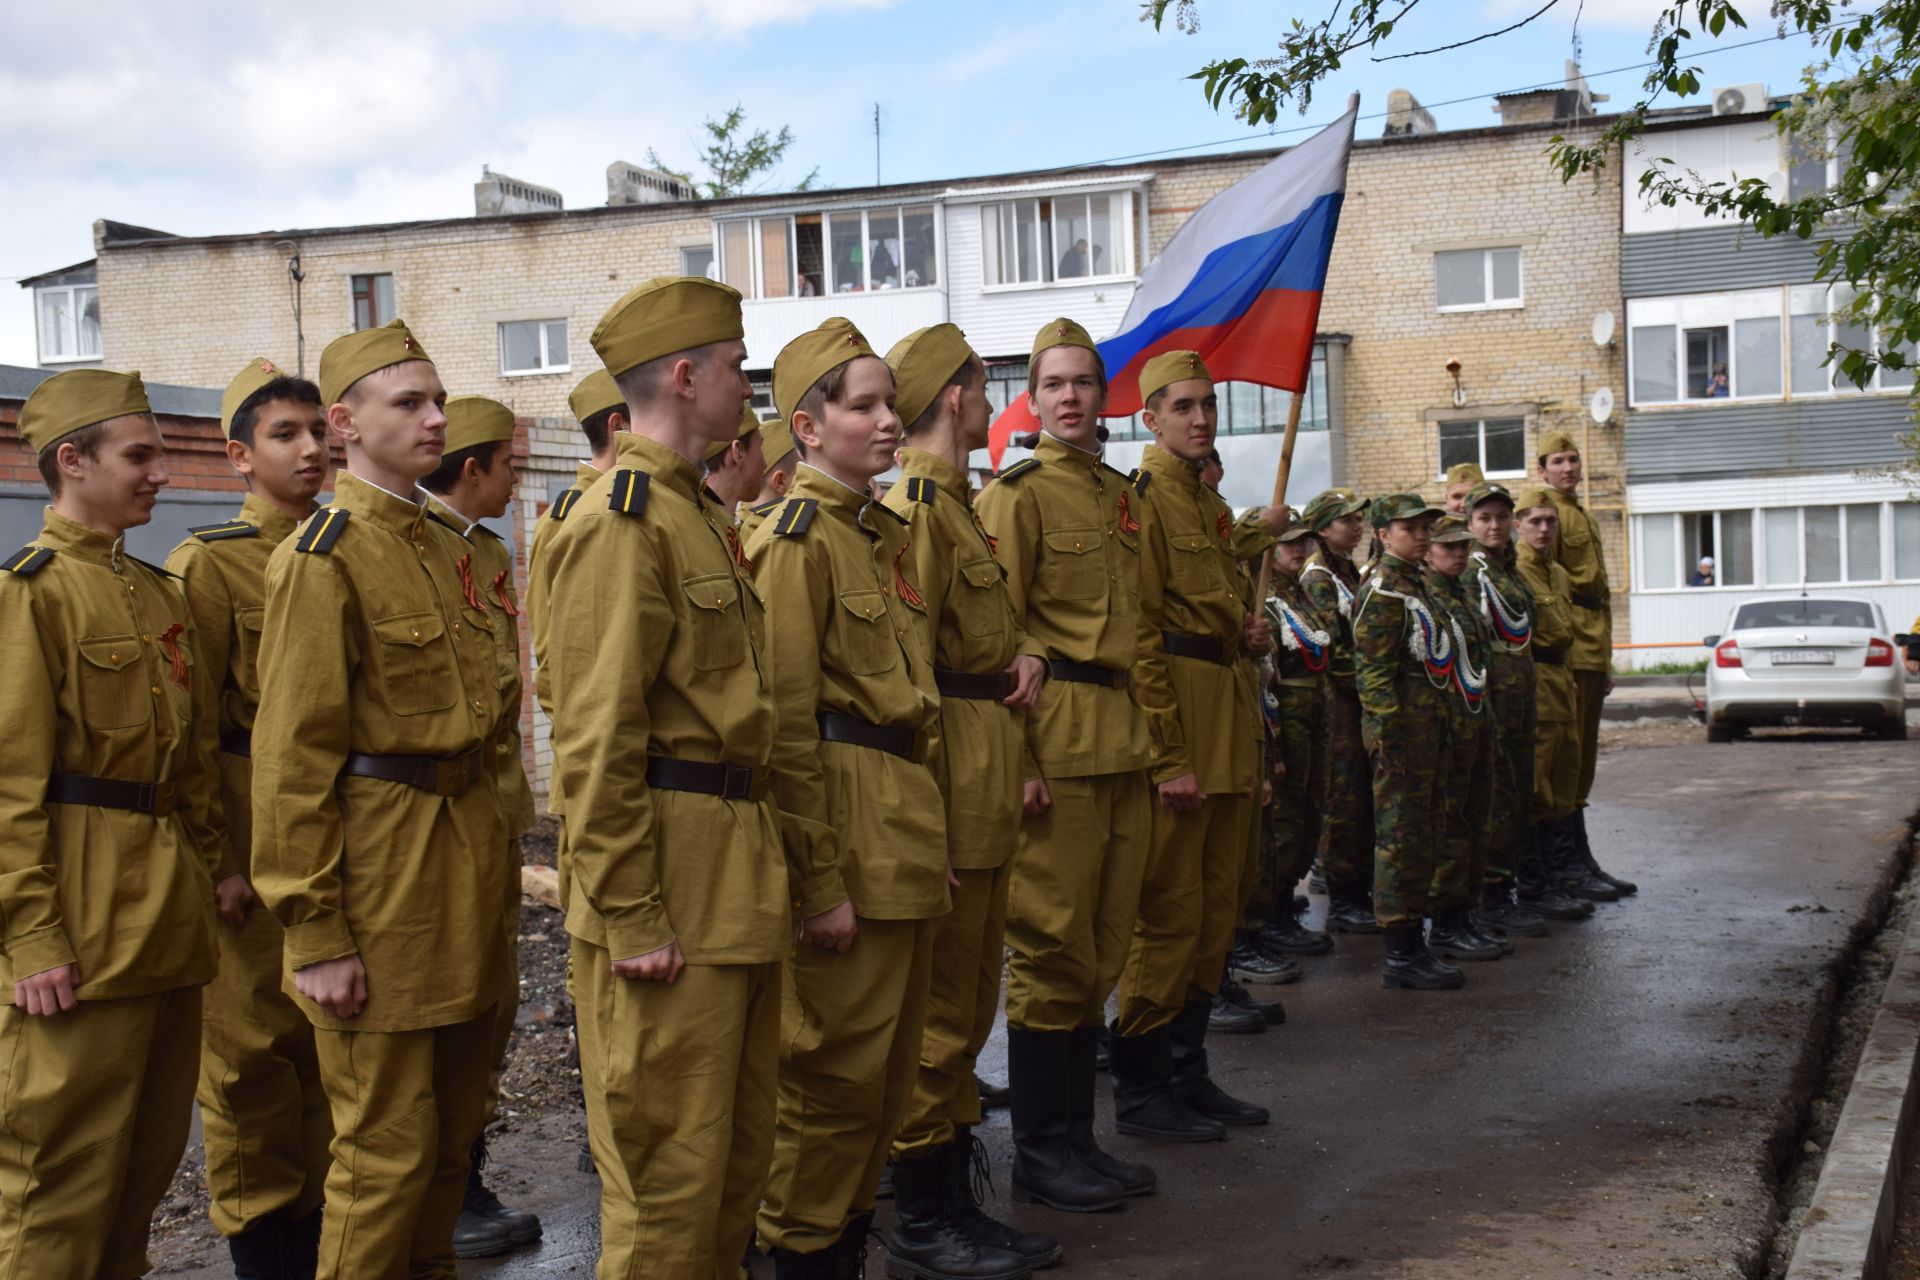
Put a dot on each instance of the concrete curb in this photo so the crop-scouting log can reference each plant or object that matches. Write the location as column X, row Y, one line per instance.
column 1848, row 1230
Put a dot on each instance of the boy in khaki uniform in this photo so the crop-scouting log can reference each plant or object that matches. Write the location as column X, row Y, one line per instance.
column 1206, row 769
column 1067, row 529
column 663, row 733
column 377, row 827
column 985, row 677
column 783, row 460
column 602, row 414
column 474, row 482
column 106, row 848
column 862, row 819
column 261, row 1103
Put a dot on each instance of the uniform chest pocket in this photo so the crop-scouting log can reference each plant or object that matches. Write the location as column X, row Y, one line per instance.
column 718, row 635
column 1193, row 564
column 871, row 647
column 114, row 693
column 1574, row 531
column 415, row 662
column 248, row 625
column 1075, row 568
column 984, row 610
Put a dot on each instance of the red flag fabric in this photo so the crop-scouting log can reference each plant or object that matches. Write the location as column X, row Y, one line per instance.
column 1017, row 419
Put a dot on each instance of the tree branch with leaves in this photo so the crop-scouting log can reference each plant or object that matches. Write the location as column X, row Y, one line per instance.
column 733, row 158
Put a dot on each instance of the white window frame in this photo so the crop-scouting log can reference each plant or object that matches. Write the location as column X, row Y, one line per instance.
column 1882, row 517
column 73, row 328
column 757, row 262
column 1126, row 268
column 1486, row 276
column 713, row 263
column 1481, row 461
column 547, row 364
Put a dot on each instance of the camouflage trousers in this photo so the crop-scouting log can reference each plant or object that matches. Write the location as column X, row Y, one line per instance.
column 1512, row 716
column 1346, row 831
column 1408, row 749
column 1290, row 827
column 1466, row 794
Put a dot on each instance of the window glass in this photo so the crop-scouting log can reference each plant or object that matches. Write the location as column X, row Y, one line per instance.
column 776, row 258
column 1459, row 277
column 1734, row 560
column 921, row 260
column 1243, row 403
column 810, row 255
column 1782, row 526
column 1757, row 356
column 1707, row 363
column 1657, row 568
column 87, row 303
column 557, row 344
column 56, row 324
column 1806, row 173
column 736, row 255
column 1030, row 245
column 372, row 301
column 1852, row 337
column 1506, row 445
column 697, row 260
column 1653, row 365
column 1070, row 238
column 1906, row 539
column 1103, row 222
column 519, row 347
column 1823, row 544
column 1459, row 442
column 1890, row 379
column 1803, row 613
column 1863, row 542
column 1807, row 337
column 844, row 250
column 883, row 247
column 1506, row 275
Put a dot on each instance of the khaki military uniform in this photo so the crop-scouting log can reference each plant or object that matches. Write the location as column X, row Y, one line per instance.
column 1466, row 780
column 261, row 1103
column 1202, row 721
column 1493, row 581
column 1590, row 652
column 751, row 518
column 978, row 764
column 1067, row 530
column 96, row 1102
column 1332, row 583
column 371, row 662
column 863, row 821
column 663, row 732
column 1556, row 747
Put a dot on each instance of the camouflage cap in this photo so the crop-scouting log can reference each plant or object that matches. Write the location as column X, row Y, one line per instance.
column 597, row 393
column 1168, row 368
column 1324, row 508
column 665, row 315
column 1557, row 442
column 66, row 402
column 812, row 356
column 1487, row 491
column 1402, row 506
column 923, row 363
column 258, row 373
column 1534, row 495
column 1464, row 473
column 1294, row 529
column 353, row 356
column 1063, row 332
column 1451, row 528
column 474, row 420
column 749, row 423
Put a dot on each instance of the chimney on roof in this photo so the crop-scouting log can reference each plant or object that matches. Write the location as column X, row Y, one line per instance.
column 1572, row 101
column 496, row 194
column 1406, row 117
column 637, row 184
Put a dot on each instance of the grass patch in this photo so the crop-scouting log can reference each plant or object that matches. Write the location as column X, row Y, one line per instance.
column 1664, row 669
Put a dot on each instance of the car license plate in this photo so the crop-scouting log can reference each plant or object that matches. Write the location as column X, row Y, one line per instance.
column 1803, row 657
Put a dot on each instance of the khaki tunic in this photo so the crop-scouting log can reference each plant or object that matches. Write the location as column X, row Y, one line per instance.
column 847, row 636
column 1579, row 553
column 656, row 647
column 751, row 518
column 367, row 648
column 92, row 690
column 539, row 584
column 1554, row 631
column 1069, row 530
column 950, row 561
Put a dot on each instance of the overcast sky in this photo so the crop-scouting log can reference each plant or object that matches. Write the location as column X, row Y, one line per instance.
column 209, row 116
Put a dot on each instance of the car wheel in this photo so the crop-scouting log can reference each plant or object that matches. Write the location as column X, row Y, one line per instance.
column 1894, row 730
column 1724, row 733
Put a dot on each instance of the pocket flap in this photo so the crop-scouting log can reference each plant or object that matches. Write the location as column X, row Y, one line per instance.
column 1073, row 541
column 870, row 605
column 981, row 573
column 111, row 653
column 254, row 619
column 1189, row 541
column 712, row 591
column 415, row 629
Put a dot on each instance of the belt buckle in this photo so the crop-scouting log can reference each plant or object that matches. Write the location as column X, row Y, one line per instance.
column 449, row 777
column 738, row 784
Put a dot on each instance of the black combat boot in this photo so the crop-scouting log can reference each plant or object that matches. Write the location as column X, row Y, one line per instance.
column 1625, row 888
column 1100, row 1037
column 964, row 1166
column 1350, row 910
column 788, row 1265
column 1498, row 910
column 1568, row 872
column 1409, row 964
column 303, row 1246
column 1252, row 964
column 1317, row 880
column 1134, row 1178
column 1453, row 937
column 1486, row 932
column 1232, row 1019
column 486, row 1226
column 1284, row 935
column 260, row 1252
column 927, row 1241
column 1537, row 890
column 1045, row 1168
column 1144, row 1103
column 1193, row 1081
column 849, row 1253
column 1272, row 1012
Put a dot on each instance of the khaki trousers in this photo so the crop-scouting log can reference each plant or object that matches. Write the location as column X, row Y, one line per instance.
column 1189, row 905
column 680, row 1095
column 969, row 950
column 407, row 1106
column 1556, row 769
column 1590, row 689
column 1073, row 900
column 95, row 1105
column 850, row 1028
column 507, row 1012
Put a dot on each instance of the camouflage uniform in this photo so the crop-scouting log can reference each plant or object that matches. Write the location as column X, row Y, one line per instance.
column 1467, row 776
column 1493, row 581
column 1291, row 826
column 1330, row 584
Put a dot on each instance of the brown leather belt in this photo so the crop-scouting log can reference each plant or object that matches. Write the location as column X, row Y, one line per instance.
column 728, row 781
column 154, row 798
column 1086, row 673
column 1552, row 657
column 991, row 687
column 236, row 742
column 1205, row 648
column 1586, row 601
column 852, row 730
column 425, row 773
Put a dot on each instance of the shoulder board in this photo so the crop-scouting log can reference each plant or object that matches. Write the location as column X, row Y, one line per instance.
column 1141, row 479
column 796, row 516
column 324, row 528
column 881, row 506
column 1019, row 469
column 629, row 493
column 563, row 504
column 921, row 488
column 766, row 509
column 218, row 532
column 27, row 561
column 165, row 573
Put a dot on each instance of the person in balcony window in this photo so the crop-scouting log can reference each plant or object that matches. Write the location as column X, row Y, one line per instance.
column 1702, row 575
column 1717, row 385
column 1074, row 261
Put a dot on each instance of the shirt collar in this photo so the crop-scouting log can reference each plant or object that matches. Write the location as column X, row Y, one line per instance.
column 663, row 464
column 270, row 520
column 947, row 477
column 384, row 507
column 70, row 537
column 439, row 506
column 829, row 491
column 1051, row 448
column 1170, row 468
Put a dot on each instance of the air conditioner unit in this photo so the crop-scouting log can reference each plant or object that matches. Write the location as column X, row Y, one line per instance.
column 1738, row 99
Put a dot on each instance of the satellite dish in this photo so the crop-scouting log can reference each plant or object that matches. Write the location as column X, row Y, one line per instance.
column 1603, row 329
column 1729, row 102
column 1600, row 407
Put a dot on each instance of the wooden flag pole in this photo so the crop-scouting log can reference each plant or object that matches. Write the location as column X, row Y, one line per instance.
column 1279, row 496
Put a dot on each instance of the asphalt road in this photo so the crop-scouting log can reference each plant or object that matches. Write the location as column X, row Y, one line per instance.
column 1599, row 1104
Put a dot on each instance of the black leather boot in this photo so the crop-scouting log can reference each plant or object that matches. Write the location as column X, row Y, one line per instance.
column 1350, row 910
column 788, row 1265
column 1498, row 910
column 964, row 1167
column 1250, row 963
column 1284, row 935
column 1144, row 1103
column 260, row 1252
column 1454, row 938
column 303, row 1246
column 1193, row 1080
column 486, row 1226
column 1409, row 964
column 927, row 1241
column 1537, row 890
column 1134, row 1178
column 1045, row 1169
column 1568, row 872
column 1272, row 1012
column 1625, row 888
column 1486, row 932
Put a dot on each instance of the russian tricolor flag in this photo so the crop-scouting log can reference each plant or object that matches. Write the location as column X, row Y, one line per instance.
column 1240, row 282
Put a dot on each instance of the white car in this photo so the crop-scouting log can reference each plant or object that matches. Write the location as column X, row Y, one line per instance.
column 1806, row 660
